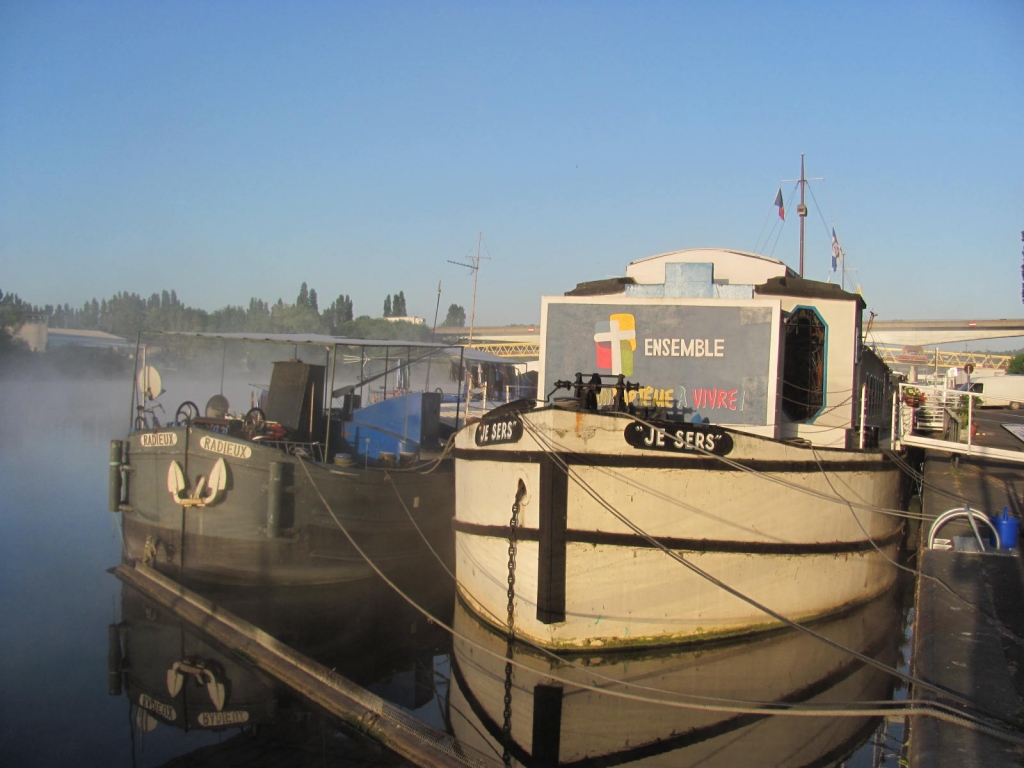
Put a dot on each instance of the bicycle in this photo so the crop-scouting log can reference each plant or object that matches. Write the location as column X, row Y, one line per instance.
column 143, row 415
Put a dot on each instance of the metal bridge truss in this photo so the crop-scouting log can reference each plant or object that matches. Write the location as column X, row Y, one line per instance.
column 510, row 348
column 947, row 359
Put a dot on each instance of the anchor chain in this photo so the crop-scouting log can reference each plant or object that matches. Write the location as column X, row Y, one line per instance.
column 506, row 727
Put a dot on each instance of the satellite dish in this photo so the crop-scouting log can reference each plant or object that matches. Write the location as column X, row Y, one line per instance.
column 149, row 383
column 217, row 407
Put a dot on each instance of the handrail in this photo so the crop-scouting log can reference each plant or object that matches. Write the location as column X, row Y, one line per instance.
column 972, row 515
column 903, row 427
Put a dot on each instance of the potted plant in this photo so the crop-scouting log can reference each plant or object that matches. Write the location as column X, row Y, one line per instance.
column 962, row 414
column 913, row 397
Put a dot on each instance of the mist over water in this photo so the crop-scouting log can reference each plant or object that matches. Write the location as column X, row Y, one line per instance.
column 56, row 540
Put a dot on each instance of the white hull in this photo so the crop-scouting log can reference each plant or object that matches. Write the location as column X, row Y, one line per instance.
column 607, row 585
column 601, row 726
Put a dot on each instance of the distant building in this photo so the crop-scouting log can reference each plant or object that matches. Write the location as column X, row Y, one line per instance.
column 39, row 337
column 413, row 320
column 64, row 337
column 33, row 331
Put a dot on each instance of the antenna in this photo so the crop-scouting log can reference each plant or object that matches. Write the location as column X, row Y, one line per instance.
column 430, row 361
column 434, row 330
column 475, row 266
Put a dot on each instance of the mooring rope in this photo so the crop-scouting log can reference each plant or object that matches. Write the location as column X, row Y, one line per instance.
column 764, row 476
column 995, row 622
column 555, row 656
column 937, row 689
column 924, row 707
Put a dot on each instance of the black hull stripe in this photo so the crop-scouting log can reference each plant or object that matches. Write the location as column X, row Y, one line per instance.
column 699, row 735
column 687, row 545
column 648, row 461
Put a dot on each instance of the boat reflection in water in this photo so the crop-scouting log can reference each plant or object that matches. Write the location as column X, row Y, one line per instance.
column 554, row 722
column 173, row 676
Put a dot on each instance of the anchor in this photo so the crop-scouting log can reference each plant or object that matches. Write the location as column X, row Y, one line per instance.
column 202, row 675
column 207, row 492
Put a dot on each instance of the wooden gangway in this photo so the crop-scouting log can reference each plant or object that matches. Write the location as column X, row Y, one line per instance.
column 358, row 708
column 947, row 430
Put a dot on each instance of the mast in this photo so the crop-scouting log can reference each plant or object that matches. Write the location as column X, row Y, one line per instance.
column 801, row 211
column 433, row 332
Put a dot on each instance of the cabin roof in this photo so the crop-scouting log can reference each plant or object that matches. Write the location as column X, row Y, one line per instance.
column 668, row 256
column 601, row 287
column 799, row 287
column 729, row 267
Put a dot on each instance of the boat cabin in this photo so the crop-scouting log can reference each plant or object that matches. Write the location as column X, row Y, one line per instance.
column 721, row 337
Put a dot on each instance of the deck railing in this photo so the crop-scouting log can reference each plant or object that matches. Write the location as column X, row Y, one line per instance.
column 955, row 410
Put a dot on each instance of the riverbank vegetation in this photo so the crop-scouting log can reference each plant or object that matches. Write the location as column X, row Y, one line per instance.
column 128, row 314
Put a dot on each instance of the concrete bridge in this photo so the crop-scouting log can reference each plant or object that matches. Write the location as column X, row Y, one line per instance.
column 892, row 335
column 921, row 333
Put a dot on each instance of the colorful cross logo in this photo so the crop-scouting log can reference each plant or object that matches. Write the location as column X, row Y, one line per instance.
column 616, row 342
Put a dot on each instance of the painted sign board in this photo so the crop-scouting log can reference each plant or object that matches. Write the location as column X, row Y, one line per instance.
column 158, row 439
column 222, row 719
column 166, row 711
column 678, row 438
column 225, row 447
column 703, row 361
column 499, row 430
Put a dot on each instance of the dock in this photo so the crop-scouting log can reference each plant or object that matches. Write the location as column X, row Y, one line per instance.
column 357, row 708
column 977, row 652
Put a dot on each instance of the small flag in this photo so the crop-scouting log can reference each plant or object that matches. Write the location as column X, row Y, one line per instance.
column 837, row 250
column 778, row 203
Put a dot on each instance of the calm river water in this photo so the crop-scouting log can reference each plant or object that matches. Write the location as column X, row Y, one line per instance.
column 65, row 699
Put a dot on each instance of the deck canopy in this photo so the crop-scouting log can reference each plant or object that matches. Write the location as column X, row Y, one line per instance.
column 324, row 340
column 312, row 339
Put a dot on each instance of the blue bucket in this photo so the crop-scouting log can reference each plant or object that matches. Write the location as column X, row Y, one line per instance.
column 1007, row 527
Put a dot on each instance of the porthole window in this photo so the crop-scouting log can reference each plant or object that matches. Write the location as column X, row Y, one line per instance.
column 803, row 378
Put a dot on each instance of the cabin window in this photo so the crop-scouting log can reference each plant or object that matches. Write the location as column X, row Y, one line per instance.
column 803, row 378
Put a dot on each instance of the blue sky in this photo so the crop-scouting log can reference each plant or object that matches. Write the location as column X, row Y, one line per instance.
column 231, row 149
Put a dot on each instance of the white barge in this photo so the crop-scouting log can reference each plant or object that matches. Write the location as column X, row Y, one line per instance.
column 724, row 415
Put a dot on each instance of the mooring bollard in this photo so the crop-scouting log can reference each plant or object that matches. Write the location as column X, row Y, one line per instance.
column 114, row 482
column 114, row 659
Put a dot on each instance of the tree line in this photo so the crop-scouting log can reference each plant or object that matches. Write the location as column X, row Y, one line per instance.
column 128, row 314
